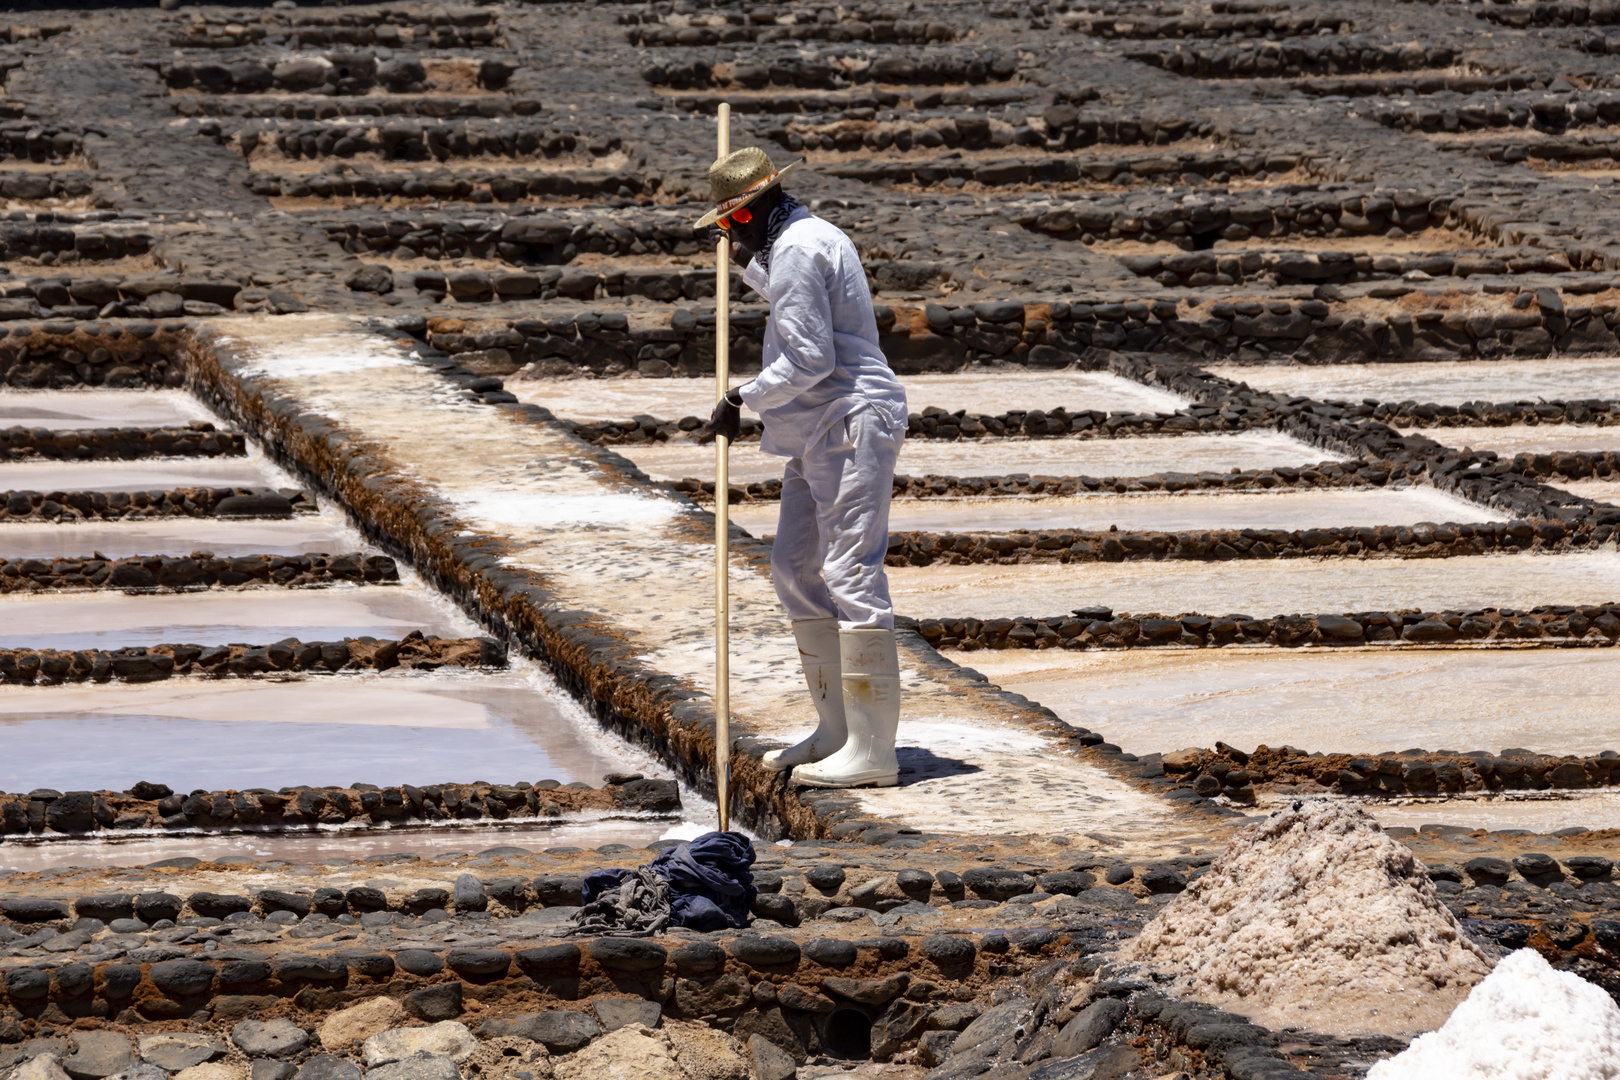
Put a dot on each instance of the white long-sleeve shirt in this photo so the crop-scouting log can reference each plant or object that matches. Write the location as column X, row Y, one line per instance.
column 821, row 357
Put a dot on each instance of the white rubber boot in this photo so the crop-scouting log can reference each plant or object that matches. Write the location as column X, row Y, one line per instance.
column 871, row 666
column 818, row 654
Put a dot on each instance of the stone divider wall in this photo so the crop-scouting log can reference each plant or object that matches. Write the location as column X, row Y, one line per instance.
column 36, row 186
column 1490, row 108
column 1046, row 335
column 1158, row 168
column 40, row 142
column 251, row 502
column 198, row 439
column 1412, row 772
column 436, row 28
column 417, row 141
column 833, row 67
column 196, row 571
column 310, row 107
column 93, row 240
column 61, row 354
column 879, row 26
column 1598, row 412
column 1195, row 23
column 1592, row 625
column 1424, row 541
column 339, row 73
column 1340, row 268
column 140, row 664
column 147, row 805
column 1059, row 126
column 1328, row 54
column 475, row 185
column 1562, row 13
column 1349, row 474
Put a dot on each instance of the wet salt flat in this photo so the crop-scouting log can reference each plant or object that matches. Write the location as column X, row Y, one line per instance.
column 1260, row 588
column 1555, row 701
column 999, row 457
column 101, row 408
column 1162, row 513
column 429, row 842
column 1444, row 382
column 302, row 535
column 393, row 728
column 622, row 398
column 111, row 620
column 1525, row 438
column 1540, row 812
column 1600, row 490
column 149, row 475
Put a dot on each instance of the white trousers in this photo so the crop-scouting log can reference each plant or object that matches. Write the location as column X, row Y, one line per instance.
column 827, row 561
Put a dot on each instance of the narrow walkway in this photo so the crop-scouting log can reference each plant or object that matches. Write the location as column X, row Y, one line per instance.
column 641, row 559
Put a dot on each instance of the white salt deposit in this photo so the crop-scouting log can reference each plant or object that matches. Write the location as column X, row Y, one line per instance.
column 1524, row 1022
column 558, row 510
column 1315, row 918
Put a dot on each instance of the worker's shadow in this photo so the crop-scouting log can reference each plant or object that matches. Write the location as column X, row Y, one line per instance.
column 918, row 763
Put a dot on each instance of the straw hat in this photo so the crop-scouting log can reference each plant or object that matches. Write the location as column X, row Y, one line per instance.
column 738, row 179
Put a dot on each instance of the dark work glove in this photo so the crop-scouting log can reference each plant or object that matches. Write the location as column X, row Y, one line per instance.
column 740, row 255
column 726, row 419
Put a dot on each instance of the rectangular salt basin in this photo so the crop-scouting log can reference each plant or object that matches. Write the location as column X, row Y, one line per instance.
column 1136, row 456
column 1557, row 701
column 150, row 475
column 672, row 399
column 1161, row 512
column 1443, row 382
column 427, row 842
column 1541, row 812
column 302, row 535
column 63, row 409
column 1261, row 588
column 1604, row 491
column 1524, row 438
column 111, row 620
column 386, row 729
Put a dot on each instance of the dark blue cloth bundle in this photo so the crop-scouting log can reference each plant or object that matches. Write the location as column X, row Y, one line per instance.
column 710, row 885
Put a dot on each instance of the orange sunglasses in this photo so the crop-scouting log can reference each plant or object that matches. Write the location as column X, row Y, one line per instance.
column 742, row 216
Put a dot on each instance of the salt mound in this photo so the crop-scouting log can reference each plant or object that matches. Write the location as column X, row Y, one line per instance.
column 1315, row 918
column 1525, row 1022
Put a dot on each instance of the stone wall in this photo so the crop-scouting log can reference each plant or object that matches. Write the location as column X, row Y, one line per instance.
column 141, row 664
column 68, row 506
column 148, row 805
column 199, row 439
column 1592, row 626
column 151, row 572
column 338, row 73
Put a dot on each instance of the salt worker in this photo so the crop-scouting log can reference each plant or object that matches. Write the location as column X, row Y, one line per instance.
column 834, row 409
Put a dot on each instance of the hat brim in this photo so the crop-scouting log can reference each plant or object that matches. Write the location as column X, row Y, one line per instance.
column 715, row 215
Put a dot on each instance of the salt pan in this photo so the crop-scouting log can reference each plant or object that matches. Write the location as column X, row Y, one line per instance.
column 1524, row 1022
column 1315, row 918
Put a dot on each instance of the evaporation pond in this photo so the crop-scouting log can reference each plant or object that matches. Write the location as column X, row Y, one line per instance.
column 61, row 409
column 237, row 733
column 1604, row 491
column 112, row 620
column 301, row 535
column 161, row 474
column 1162, row 513
column 1261, row 588
column 356, row 844
column 1444, row 382
column 1525, row 438
column 1335, row 701
column 672, row 399
column 998, row 457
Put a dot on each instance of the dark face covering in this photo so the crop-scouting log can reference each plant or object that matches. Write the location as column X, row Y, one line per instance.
column 752, row 235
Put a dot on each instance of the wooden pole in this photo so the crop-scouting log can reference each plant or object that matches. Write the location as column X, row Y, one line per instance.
column 722, row 511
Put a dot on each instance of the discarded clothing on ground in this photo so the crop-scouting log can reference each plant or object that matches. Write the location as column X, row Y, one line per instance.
column 703, row 885
column 635, row 905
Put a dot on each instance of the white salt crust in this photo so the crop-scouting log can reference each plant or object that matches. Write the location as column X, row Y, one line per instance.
column 1315, row 918
column 1525, row 1022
